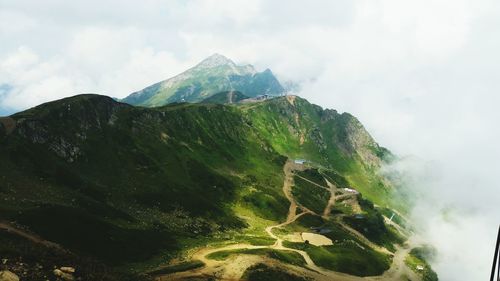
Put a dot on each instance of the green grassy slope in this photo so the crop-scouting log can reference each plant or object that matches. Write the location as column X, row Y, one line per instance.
column 310, row 196
column 283, row 256
column 418, row 258
column 133, row 187
column 371, row 225
column 262, row 272
column 346, row 257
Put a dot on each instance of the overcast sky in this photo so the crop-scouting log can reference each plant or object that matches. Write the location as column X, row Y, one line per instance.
column 423, row 76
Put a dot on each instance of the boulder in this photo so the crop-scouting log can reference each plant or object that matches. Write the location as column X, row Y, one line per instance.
column 8, row 276
column 67, row 269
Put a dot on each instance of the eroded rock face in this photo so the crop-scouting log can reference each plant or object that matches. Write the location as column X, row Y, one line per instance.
column 317, row 137
column 33, row 130
column 39, row 133
column 362, row 143
column 65, row 149
column 8, row 276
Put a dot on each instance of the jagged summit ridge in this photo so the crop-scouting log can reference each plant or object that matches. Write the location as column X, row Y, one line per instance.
column 213, row 75
column 222, row 64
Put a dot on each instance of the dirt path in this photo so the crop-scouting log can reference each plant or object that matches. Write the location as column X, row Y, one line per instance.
column 287, row 189
column 310, row 181
column 234, row 267
column 269, row 229
column 27, row 235
column 398, row 268
column 331, row 202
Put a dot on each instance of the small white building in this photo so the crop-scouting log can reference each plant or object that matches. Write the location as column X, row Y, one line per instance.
column 420, row 267
column 300, row 161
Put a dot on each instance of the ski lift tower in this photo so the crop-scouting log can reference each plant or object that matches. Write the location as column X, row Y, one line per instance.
column 496, row 263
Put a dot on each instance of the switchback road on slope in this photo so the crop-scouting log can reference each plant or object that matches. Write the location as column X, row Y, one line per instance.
column 233, row 267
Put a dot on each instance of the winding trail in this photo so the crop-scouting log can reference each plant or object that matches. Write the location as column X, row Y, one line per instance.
column 233, row 267
column 287, row 189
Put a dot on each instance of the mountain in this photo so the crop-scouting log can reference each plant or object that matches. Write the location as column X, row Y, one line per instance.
column 213, row 75
column 263, row 190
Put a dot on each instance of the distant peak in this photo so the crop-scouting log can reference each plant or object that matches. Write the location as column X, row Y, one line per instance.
column 217, row 56
column 215, row 60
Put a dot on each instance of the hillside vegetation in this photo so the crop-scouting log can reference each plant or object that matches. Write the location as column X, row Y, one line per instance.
column 133, row 188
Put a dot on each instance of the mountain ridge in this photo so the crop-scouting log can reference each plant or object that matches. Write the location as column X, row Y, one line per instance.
column 212, row 75
column 134, row 187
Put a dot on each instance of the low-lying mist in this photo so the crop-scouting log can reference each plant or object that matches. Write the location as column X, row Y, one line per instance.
column 453, row 214
column 444, row 129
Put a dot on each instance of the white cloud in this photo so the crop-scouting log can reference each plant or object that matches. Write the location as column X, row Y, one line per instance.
column 211, row 13
column 111, row 61
column 143, row 67
column 32, row 81
column 12, row 22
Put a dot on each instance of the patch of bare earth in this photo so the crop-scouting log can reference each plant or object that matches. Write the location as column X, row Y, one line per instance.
column 8, row 123
column 316, row 239
column 291, row 99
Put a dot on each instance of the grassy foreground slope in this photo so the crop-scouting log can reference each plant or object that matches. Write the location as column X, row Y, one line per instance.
column 132, row 187
column 121, row 183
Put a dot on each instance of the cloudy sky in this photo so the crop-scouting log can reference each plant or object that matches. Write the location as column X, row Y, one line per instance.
column 423, row 76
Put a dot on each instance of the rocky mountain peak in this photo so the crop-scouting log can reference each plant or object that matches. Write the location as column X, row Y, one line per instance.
column 215, row 60
column 213, row 75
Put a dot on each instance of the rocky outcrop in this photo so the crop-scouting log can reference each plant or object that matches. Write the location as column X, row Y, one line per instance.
column 317, row 138
column 65, row 149
column 52, row 124
column 65, row 273
column 360, row 142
